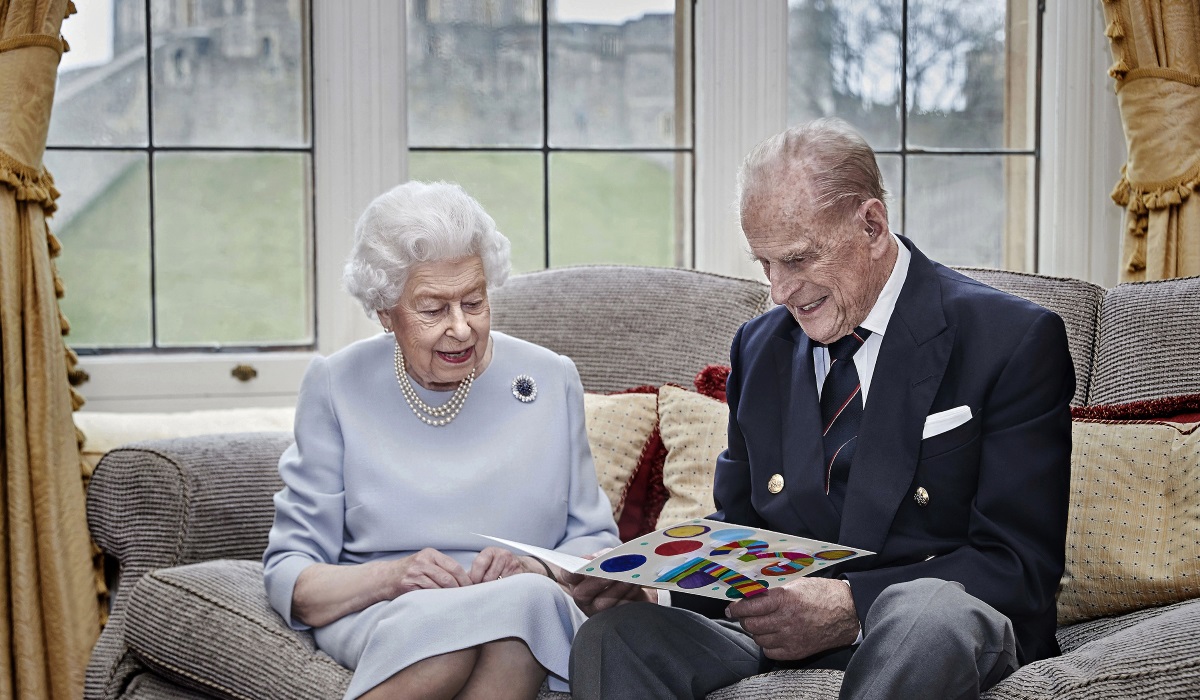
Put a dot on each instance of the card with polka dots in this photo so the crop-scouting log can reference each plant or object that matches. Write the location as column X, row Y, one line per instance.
column 710, row 558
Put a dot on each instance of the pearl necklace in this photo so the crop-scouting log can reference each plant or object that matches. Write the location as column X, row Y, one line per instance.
column 437, row 416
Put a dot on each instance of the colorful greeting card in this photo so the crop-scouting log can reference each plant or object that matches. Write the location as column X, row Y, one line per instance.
column 708, row 558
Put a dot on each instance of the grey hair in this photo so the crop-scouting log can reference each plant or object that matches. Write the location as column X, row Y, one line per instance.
column 836, row 162
column 419, row 222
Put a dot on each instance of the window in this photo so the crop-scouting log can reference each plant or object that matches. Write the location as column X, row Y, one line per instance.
column 354, row 145
column 945, row 91
column 586, row 161
column 180, row 136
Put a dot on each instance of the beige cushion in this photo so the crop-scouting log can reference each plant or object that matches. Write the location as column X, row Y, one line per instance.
column 618, row 427
column 1133, row 534
column 694, row 431
column 105, row 431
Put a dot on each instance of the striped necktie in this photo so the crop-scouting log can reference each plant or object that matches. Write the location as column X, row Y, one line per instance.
column 841, row 412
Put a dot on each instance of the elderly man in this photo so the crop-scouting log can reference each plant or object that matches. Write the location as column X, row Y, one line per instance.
column 889, row 404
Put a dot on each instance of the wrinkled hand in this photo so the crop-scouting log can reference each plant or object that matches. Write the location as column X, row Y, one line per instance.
column 800, row 618
column 429, row 568
column 494, row 562
column 593, row 594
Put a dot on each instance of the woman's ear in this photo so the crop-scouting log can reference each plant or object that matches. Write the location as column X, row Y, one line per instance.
column 384, row 320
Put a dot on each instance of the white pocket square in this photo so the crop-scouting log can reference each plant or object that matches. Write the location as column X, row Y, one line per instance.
column 940, row 422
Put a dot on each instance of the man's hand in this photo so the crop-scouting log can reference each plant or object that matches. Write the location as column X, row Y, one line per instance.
column 800, row 618
column 593, row 594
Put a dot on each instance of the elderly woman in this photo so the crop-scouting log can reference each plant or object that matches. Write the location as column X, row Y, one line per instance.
column 411, row 444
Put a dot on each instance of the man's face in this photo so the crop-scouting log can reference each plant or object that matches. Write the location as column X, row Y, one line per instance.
column 827, row 270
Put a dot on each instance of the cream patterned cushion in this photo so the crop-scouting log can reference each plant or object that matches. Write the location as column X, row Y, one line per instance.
column 1133, row 533
column 618, row 426
column 104, row 431
column 694, row 431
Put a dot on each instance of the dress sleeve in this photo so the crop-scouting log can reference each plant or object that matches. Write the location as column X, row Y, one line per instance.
column 310, row 509
column 590, row 525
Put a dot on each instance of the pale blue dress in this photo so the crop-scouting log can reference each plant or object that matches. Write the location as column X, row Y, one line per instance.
column 367, row 480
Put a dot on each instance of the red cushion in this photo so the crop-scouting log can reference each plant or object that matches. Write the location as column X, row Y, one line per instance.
column 1178, row 409
column 711, row 381
column 646, row 494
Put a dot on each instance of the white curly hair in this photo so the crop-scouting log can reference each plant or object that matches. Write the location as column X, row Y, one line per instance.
column 419, row 222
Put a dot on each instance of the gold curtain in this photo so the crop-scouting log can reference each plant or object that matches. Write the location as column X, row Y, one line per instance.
column 48, row 621
column 1156, row 49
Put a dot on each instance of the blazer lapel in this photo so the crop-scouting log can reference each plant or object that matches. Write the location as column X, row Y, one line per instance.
column 912, row 361
column 801, row 450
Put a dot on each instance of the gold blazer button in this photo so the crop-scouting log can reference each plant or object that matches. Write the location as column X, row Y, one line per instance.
column 775, row 485
column 921, row 496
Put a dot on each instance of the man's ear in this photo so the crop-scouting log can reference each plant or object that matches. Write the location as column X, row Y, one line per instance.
column 874, row 217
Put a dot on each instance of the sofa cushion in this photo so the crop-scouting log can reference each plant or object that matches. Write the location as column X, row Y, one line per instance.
column 209, row 626
column 694, row 431
column 822, row 684
column 1133, row 533
column 1149, row 332
column 1176, row 409
column 1157, row 658
column 618, row 427
column 1075, row 301
column 627, row 326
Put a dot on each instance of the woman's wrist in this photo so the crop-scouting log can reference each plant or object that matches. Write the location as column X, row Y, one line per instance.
column 539, row 566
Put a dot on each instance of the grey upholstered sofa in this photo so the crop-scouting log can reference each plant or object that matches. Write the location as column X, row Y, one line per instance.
column 186, row 520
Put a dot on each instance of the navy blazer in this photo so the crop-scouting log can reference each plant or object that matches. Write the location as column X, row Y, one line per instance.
column 996, row 515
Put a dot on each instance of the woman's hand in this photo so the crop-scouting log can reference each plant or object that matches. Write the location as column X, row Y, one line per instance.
column 593, row 594
column 494, row 562
column 427, row 569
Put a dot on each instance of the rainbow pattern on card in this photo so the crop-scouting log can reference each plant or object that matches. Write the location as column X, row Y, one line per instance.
column 698, row 571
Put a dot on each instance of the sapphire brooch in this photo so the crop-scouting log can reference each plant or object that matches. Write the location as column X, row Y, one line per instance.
column 524, row 388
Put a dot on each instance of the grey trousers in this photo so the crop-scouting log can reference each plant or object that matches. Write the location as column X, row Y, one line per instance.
column 922, row 639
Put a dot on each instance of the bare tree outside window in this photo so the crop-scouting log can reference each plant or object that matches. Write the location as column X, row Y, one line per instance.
column 944, row 91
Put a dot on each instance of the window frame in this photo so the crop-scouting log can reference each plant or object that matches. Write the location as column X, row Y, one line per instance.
column 683, row 152
column 357, row 153
column 360, row 149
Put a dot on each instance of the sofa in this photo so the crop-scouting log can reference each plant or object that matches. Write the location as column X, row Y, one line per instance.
column 183, row 521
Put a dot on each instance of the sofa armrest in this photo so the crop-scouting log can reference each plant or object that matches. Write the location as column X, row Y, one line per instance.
column 170, row 502
column 165, row 503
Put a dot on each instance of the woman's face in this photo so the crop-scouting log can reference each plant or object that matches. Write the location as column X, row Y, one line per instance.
column 443, row 322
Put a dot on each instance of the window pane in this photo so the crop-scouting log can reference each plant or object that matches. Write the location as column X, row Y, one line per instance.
column 474, row 73
column 893, row 181
column 103, row 221
column 230, row 73
column 613, row 75
column 972, row 210
column 618, row 208
column 844, row 61
column 970, row 79
column 508, row 185
column 232, row 255
column 100, row 99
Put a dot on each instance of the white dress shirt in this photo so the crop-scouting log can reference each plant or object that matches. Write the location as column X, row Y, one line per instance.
column 876, row 322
